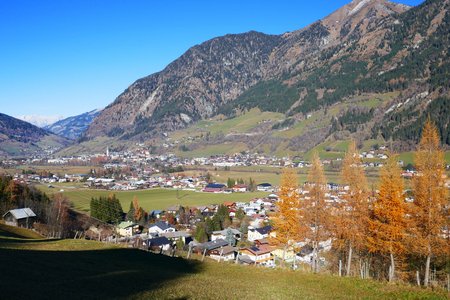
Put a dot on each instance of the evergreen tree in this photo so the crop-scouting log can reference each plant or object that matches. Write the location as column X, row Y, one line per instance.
column 230, row 238
column 200, row 233
column 230, row 182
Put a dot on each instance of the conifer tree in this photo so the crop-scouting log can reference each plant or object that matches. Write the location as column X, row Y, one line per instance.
column 352, row 216
column 387, row 225
column 137, row 210
column 315, row 209
column 428, row 211
column 287, row 222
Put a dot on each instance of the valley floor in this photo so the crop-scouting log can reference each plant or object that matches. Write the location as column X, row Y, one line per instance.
column 67, row 269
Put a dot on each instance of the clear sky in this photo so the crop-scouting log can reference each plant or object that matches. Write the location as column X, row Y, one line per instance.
column 64, row 57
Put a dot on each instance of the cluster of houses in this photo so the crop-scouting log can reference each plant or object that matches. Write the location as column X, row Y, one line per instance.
column 250, row 247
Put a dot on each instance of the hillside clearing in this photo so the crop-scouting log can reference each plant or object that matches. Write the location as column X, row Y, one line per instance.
column 79, row 269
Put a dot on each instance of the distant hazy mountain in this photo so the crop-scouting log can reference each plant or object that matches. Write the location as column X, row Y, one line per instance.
column 372, row 70
column 21, row 139
column 73, row 127
column 40, row 121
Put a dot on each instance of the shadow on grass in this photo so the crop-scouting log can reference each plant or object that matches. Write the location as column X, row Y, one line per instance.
column 99, row 274
column 11, row 241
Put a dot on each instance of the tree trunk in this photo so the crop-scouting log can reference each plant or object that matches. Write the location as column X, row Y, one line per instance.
column 284, row 256
column 392, row 269
column 295, row 261
column 427, row 271
column 313, row 261
column 349, row 259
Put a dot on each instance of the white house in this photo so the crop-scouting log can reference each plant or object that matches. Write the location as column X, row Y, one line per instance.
column 222, row 234
column 264, row 187
column 127, row 228
column 258, row 233
column 160, row 227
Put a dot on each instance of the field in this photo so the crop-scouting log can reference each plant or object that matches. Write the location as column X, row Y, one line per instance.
column 80, row 269
column 273, row 174
column 148, row 199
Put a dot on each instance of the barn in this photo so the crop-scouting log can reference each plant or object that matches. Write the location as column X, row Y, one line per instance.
column 20, row 217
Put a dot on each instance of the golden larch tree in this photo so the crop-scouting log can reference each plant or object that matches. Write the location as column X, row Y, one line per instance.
column 315, row 209
column 387, row 225
column 137, row 209
column 351, row 219
column 428, row 210
column 287, row 223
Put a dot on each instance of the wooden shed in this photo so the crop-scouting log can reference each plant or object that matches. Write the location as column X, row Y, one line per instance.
column 21, row 217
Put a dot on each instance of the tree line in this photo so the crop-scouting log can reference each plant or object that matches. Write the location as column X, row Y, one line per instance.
column 389, row 234
column 54, row 215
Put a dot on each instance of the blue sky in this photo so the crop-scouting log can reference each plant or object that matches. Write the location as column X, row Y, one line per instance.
column 68, row 57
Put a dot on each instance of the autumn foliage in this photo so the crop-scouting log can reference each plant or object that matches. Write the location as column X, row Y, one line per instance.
column 387, row 225
column 287, row 222
column 430, row 210
column 316, row 212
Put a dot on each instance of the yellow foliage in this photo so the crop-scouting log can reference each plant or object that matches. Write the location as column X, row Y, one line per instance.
column 286, row 221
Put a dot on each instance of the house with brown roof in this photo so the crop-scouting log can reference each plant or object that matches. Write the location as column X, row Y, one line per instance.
column 226, row 253
column 259, row 255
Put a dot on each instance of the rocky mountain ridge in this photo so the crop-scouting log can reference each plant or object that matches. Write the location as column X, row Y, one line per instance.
column 367, row 47
column 73, row 127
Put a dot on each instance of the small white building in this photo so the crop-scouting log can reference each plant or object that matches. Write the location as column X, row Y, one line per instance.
column 127, row 229
column 222, row 234
column 160, row 227
column 258, row 233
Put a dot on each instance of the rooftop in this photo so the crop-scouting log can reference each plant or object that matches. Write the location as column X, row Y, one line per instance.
column 21, row 213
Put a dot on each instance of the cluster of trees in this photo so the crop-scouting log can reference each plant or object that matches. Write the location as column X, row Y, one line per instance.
column 232, row 182
column 54, row 215
column 390, row 237
column 221, row 220
column 251, row 183
column 352, row 119
column 405, row 124
column 136, row 213
column 15, row 195
column 106, row 209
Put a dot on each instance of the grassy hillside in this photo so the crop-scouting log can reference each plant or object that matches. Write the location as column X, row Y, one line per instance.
column 78, row 269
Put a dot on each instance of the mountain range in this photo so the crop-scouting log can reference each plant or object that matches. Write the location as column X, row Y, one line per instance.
column 21, row 139
column 73, row 127
column 372, row 70
column 40, row 121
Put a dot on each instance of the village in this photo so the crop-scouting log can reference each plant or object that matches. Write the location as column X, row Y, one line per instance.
column 237, row 232
column 139, row 169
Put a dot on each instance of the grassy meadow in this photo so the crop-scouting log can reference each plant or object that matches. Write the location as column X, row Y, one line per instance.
column 148, row 199
column 35, row 268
